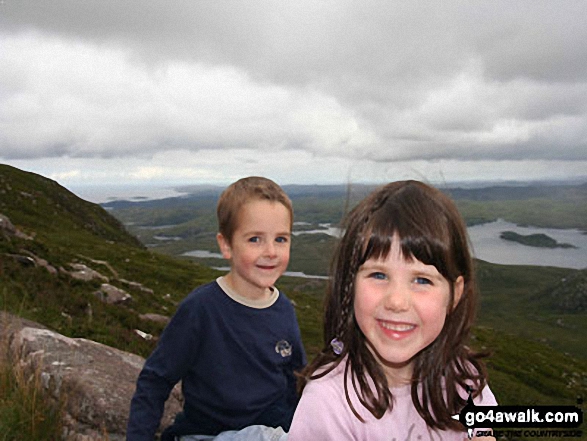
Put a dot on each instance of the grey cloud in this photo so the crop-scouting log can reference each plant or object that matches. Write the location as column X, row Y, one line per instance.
column 383, row 78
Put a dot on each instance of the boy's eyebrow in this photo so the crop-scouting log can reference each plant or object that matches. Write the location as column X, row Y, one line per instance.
column 260, row 233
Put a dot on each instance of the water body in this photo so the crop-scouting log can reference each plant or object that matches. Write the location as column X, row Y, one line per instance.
column 100, row 194
column 203, row 254
column 488, row 246
column 324, row 229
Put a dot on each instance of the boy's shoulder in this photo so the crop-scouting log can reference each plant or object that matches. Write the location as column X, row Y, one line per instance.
column 201, row 294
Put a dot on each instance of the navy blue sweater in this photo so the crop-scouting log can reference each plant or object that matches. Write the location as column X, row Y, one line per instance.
column 235, row 362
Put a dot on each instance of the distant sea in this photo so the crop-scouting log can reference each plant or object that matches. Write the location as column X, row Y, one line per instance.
column 108, row 193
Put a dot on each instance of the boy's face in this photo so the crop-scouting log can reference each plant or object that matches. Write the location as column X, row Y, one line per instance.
column 259, row 250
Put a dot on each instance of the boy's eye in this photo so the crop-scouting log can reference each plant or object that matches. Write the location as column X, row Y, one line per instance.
column 254, row 239
column 281, row 239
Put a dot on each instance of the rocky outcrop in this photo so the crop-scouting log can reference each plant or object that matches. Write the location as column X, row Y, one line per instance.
column 96, row 381
column 77, row 270
column 8, row 229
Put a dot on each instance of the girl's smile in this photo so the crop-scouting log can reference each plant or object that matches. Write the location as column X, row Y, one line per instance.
column 396, row 330
column 400, row 306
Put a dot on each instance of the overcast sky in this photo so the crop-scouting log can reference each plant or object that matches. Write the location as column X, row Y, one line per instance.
column 193, row 91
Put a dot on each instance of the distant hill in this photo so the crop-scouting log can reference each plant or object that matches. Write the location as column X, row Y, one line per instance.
column 519, row 192
column 47, row 207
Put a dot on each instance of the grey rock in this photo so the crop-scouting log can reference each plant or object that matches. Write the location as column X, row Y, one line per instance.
column 112, row 295
column 83, row 272
column 97, row 381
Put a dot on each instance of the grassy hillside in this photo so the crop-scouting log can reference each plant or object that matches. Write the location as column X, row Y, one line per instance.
column 65, row 230
column 539, row 354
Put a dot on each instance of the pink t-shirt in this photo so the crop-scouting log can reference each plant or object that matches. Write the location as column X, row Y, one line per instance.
column 323, row 414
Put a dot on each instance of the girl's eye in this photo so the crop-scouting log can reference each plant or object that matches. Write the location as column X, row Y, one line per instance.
column 422, row 281
column 281, row 239
column 254, row 239
column 377, row 275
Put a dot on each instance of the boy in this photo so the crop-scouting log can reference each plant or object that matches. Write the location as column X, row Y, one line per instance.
column 235, row 342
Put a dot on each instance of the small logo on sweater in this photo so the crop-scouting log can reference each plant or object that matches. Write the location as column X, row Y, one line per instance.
column 283, row 348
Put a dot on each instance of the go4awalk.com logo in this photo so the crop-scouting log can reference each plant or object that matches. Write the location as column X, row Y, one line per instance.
column 545, row 421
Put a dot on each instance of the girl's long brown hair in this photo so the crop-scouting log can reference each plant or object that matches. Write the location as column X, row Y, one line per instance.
column 432, row 231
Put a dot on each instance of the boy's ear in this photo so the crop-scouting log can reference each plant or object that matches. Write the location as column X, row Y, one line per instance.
column 459, row 288
column 224, row 246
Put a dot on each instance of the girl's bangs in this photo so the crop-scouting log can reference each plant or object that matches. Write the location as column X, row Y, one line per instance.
column 429, row 243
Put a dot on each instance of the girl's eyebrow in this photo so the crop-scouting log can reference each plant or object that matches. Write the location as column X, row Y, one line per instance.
column 428, row 270
column 372, row 264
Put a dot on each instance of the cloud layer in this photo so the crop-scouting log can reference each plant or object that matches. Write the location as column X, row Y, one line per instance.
column 334, row 82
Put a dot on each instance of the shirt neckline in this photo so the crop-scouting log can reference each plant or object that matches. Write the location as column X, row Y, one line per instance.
column 257, row 304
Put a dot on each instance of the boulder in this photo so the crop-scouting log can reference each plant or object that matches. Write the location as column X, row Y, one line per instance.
column 157, row 318
column 136, row 285
column 9, row 229
column 112, row 295
column 97, row 381
column 85, row 273
column 42, row 262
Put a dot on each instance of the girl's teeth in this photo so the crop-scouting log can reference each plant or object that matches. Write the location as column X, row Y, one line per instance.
column 397, row 327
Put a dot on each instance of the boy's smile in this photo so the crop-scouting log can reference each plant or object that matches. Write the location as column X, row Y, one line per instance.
column 259, row 249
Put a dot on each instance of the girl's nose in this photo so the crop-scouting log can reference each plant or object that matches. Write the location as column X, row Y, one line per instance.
column 397, row 299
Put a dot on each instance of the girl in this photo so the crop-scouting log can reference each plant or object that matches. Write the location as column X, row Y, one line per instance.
column 398, row 312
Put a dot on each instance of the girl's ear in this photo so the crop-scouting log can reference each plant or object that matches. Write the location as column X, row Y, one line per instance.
column 459, row 288
column 224, row 246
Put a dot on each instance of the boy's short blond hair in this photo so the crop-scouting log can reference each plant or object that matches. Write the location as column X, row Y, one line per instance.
column 253, row 188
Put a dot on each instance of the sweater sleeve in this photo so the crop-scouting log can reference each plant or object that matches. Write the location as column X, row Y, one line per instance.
column 167, row 364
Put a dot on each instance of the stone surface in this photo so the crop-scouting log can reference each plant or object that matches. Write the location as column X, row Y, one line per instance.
column 98, row 381
column 9, row 229
column 83, row 272
column 113, row 295
column 157, row 318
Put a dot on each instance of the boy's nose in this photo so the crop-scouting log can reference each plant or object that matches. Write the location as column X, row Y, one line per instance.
column 397, row 299
column 270, row 249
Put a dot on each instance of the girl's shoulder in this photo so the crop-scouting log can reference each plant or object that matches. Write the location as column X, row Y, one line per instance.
column 327, row 378
column 483, row 397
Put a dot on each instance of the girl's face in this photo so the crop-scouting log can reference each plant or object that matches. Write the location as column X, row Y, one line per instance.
column 400, row 306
